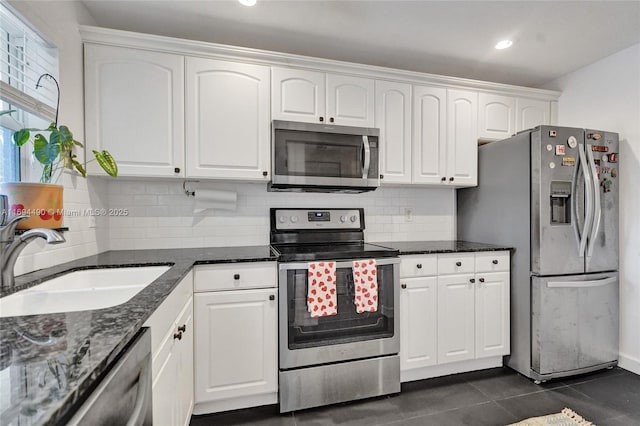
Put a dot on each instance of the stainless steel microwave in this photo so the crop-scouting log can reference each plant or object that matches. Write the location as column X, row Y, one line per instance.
column 324, row 158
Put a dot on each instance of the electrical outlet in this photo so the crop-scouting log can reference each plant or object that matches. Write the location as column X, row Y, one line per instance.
column 408, row 214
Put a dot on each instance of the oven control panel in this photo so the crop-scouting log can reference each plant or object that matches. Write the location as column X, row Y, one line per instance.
column 300, row 219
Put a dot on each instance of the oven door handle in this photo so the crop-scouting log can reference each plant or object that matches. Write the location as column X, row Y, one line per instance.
column 366, row 161
column 341, row 264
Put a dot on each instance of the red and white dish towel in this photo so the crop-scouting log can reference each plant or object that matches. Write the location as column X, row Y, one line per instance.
column 366, row 285
column 321, row 291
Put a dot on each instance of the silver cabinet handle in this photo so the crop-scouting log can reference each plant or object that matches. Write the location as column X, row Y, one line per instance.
column 367, row 156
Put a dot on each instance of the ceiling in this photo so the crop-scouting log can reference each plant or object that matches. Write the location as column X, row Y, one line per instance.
column 456, row 38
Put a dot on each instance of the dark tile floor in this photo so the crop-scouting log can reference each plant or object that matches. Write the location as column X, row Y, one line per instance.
column 494, row 397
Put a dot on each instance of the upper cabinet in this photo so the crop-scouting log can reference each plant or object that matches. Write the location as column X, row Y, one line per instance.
column 444, row 136
column 227, row 120
column 531, row 113
column 134, row 108
column 317, row 97
column 496, row 116
column 393, row 118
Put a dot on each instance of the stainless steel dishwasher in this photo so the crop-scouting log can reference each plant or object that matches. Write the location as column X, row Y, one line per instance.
column 123, row 397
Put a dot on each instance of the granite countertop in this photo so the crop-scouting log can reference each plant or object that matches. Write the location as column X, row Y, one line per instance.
column 432, row 247
column 49, row 361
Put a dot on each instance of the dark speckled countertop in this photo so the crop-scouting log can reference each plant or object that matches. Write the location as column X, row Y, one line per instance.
column 49, row 362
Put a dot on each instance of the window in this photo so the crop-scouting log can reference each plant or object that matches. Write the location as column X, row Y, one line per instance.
column 24, row 57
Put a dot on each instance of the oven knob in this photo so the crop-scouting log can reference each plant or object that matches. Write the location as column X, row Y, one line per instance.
column 343, row 219
column 282, row 219
column 294, row 219
column 353, row 218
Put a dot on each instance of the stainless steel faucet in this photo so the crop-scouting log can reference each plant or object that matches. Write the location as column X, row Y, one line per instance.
column 11, row 246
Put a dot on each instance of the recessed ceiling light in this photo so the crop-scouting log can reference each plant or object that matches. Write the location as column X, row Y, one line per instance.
column 503, row 44
column 247, row 2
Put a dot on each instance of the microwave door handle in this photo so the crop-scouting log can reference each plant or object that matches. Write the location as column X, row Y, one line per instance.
column 597, row 208
column 366, row 149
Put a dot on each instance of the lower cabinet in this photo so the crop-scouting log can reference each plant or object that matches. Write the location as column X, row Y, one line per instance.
column 172, row 356
column 236, row 337
column 454, row 311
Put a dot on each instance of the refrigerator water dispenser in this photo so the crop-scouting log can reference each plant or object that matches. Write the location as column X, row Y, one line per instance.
column 560, row 201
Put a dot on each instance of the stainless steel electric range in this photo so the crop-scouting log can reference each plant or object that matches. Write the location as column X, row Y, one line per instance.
column 348, row 355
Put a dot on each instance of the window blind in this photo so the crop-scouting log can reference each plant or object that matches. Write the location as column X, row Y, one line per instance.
column 24, row 57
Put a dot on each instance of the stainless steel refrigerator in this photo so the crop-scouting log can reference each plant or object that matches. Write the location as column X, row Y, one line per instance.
column 552, row 194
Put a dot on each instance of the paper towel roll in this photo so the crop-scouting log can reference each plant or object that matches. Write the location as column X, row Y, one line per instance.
column 214, row 199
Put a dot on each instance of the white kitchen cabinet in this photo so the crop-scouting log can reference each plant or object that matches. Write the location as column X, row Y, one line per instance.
column 393, row 118
column 492, row 314
column 228, row 131
column 134, row 108
column 236, row 338
column 531, row 113
column 462, row 137
column 297, row 95
column 418, row 322
column 318, row 97
column 429, row 135
column 496, row 116
column 456, row 319
column 172, row 356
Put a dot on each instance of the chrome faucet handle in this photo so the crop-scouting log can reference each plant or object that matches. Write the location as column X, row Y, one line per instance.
column 8, row 229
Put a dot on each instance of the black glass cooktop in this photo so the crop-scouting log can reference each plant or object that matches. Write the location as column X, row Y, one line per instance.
column 333, row 251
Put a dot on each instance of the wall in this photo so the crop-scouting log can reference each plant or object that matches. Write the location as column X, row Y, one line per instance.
column 160, row 215
column 606, row 95
column 57, row 22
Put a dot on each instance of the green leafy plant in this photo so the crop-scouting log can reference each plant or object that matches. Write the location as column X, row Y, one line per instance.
column 55, row 152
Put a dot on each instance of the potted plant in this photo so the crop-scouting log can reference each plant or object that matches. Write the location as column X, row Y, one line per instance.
column 53, row 148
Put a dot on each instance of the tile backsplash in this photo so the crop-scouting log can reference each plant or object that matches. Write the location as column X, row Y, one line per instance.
column 158, row 214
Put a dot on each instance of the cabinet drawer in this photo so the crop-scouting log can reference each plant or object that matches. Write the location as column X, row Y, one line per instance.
column 494, row 261
column 458, row 263
column 418, row 266
column 233, row 276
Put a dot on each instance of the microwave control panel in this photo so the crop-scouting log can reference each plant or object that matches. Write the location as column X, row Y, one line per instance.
column 330, row 219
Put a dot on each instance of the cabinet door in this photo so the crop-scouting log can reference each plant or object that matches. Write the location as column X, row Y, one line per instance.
column 228, row 120
column 183, row 391
column 462, row 137
column 297, row 95
column 350, row 100
column 418, row 322
column 165, row 409
column 531, row 113
column 492, row 314
column 393, row 118
column 496, row 116
column 456, row 318
column 429, row 131
column 236, row 343
column 134, row 103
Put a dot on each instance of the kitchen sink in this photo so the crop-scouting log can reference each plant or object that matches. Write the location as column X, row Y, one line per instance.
column 81, row 291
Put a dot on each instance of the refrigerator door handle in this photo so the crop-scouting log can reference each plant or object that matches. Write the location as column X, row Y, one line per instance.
column 597, row 208
column 579, row 284
column 574, row 207
column 589, row 209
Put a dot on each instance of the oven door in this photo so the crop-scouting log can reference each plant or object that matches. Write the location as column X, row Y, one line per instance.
column 305, row 155
column 346, row 336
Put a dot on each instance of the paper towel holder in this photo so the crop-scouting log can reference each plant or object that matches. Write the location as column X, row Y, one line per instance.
column 186, row 190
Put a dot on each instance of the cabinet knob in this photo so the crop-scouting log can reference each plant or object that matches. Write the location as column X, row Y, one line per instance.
column 176, row 170
column 272, row 297
column 265, row 173
column 236, row 276
column 472, row 280
column 450, row 179
column 321, row 119
column 381, row 176
column 494, row 261
column 481, row 280
column 419, row 266
column 443, row 178
column 331, row 120
column 182, row 328
column 177, row 335
column 403, row 285
column 458, row 263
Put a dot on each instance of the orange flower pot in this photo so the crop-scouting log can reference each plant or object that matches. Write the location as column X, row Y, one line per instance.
column 41, row 201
